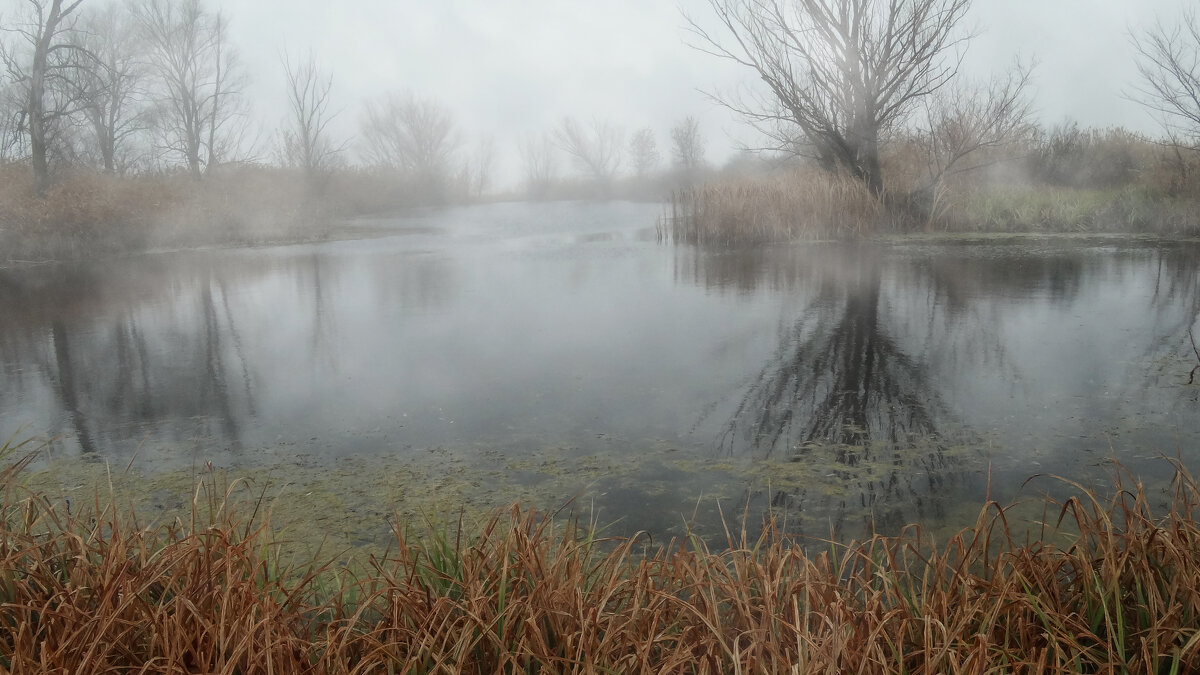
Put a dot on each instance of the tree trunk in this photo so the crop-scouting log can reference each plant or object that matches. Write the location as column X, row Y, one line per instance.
column 36, row 103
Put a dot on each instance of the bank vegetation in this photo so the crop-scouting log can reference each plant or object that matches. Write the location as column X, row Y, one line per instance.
column 1101, row 583
column 1059, row 179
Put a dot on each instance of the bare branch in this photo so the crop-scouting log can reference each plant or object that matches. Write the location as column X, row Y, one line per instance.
column 1168, row 59
column 839, row 75
column 595, row 151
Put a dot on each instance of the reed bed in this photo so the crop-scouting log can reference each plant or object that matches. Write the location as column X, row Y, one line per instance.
column 800, row 204
column 1106, row 585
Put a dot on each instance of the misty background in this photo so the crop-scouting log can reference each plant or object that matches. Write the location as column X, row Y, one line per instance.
column 507, row 69
column 510, row 71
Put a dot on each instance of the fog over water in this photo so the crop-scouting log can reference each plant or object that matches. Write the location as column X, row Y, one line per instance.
column 471, row 274
column 563, row 347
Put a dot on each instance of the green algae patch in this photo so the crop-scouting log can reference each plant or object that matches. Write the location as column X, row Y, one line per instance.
column 353, row 506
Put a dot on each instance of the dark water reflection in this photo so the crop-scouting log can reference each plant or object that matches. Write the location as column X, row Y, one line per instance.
column 851, row 385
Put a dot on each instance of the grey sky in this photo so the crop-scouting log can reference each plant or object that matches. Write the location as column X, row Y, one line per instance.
column 516, row 66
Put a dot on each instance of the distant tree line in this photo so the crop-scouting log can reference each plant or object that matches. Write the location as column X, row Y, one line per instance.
column 157, row 86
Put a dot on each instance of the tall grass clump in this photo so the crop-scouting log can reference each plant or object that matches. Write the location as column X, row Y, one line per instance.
column 799, row 204
column 1101, row 584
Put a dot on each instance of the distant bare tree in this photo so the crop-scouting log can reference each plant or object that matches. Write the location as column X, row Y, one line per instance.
column 643, row 152
column 538, row 156
column 1168, row 60
column 413, row 134
column 481, row 166
column 475, row 173
column 596, row 150
column 47, row 68
column 202, row 116
column 687, row 145
column 113, row 89
column 306, row 143
column 840, row 74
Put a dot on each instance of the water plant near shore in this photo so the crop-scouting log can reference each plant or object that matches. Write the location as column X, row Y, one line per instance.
column 1104, row 584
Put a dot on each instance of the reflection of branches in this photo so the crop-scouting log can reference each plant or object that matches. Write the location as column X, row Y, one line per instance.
column 841, row 379
column 66, row 387
column 1192, row 375
column 1175, row 301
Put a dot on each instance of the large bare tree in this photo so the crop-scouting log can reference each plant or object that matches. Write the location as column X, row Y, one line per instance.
column 839, row 74
column 306, row 141
column 47, row 65
column 202, row 112
column 113, row 89
column 1168, row 60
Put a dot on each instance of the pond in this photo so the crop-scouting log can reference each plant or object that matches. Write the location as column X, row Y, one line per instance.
column 469, row 357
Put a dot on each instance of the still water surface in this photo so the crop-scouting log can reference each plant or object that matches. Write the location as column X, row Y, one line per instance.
column 560, row 350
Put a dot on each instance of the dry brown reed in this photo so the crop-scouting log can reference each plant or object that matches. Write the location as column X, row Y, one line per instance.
column 1107, row 586
column 85, row 213
column 799, row 204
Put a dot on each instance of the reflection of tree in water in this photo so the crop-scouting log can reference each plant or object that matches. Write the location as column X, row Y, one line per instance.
column 118, row 367
column 841, row 392
column 854, row 396
column 1176, row 304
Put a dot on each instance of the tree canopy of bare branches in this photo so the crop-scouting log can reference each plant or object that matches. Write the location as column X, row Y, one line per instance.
column 687, row 145
column 643, row 152
column 202, row 111
column 1168, row 60
column 966, row 118
column 595, row 150
column 412, row 134
column 306, row 142
column 538, row 158
column 840, row 74
column 113, row 90
column 47, row 70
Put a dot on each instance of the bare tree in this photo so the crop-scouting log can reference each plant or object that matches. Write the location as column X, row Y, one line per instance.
column 203, row 112
column 413, row 134
column 474, row 175
column 47, row 72
column 687, row 145
column 841, row 74
column 306, row 143
column 643, row 152
column 481, row 166
column 113, row 89
column 595, row 151
column 538, row 157
column 964, row 121
column 1168, row 60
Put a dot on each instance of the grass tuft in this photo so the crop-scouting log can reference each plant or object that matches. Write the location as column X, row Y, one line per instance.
column 1105, row 584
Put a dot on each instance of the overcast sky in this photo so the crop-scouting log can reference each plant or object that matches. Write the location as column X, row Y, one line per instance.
column 508, row 67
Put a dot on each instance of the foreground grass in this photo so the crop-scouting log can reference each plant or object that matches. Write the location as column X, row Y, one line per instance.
column 1108, row 585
